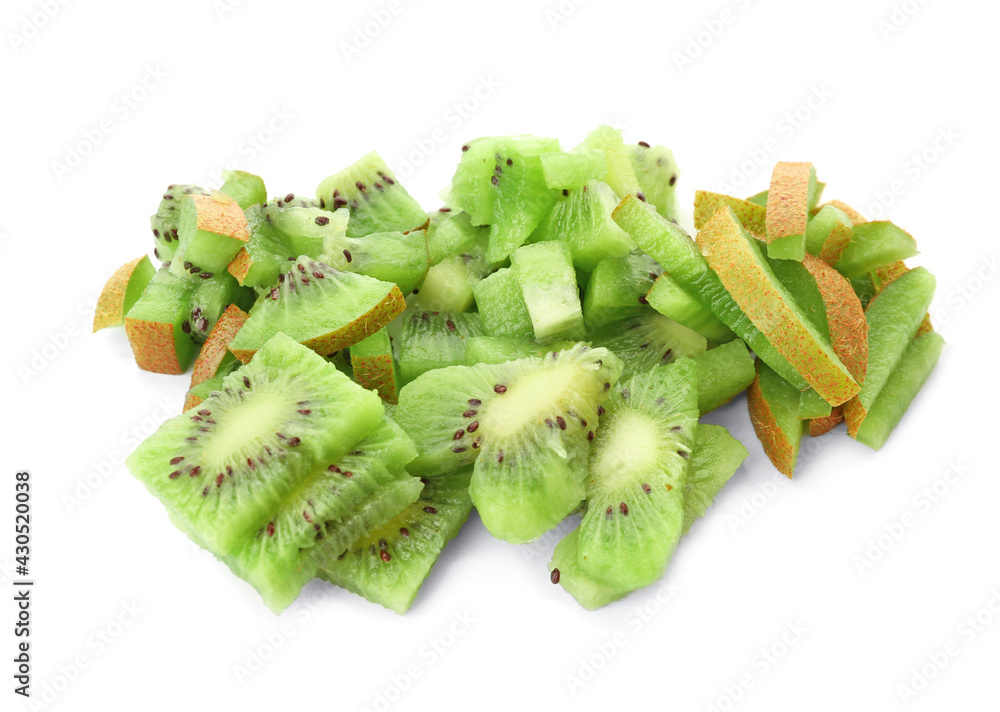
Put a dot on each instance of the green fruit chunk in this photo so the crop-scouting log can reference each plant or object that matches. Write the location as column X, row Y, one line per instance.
column 874, row 245
column 158, row 324
column 525, row 424
column 566, row 171
column 453, row 235
column 374, row 366
column 723, row 373
column 774, row 412
column 501, row 306
column 388, row 565
column 377, row 201
column 165, row 221
column 792, row 192
column 245, row 188
column 715, row 458
column 894, row 317
column 212, row 230
column 657, row 172
column 122, row 291
column 500, row 349
column 637, row 478
column 432, row 340
column 673, row 301
column 620, row 173
column 826, row 223
column 736, row 258
column 617, row 289
column 566, row 571
column 545, row 275
column 648, row 342
column 227, row 468
column 583, row 223
column 902, row 386
column 265, row 255
column 321, row 307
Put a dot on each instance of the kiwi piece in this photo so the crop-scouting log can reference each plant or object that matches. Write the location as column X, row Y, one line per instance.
column 499, row 182
column 432, row 340
column 751, row 215
column 321, row 307
column 567, row 171
column 211, row 296
column 165, row 221
column 774, row 412
column 215, row 356
column 501, row 306
column 656, row 170
column 617, row 288
column 716, row 457
column 526, row 425
column 245, row 188
column 388, row 565
column 649, row 341
column 673, row 301
column 620, row 174
column 723, row 373
column 377, row 201
column 637, row 477
column 158, row 324
column 901, row 387
column 374, row 366
column 821, row 426
column 793, row 189
column 680, row 256
column 883, row 276
column 873, row 245
column 265, row 255
column 735, row 256
column 547, row 280
column 830, row 223
column 458, row 264
column 197, row 394
column 583, row 223
column 122, row 291
column 856, row 217
column 212, row 230
column 894, row 317
column 500, row 349
column 224, row 469
column 455, row 234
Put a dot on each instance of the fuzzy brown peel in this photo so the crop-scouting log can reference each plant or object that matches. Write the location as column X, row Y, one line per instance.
column 821, row 426
column 750, row 215
column 844, row 315
column 111, row 305
column 788, row 200
column 220, row 214
column 216, row 346
column 776, row 446
column 153, row 346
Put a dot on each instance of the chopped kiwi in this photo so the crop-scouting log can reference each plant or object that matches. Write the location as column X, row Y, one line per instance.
column 774, row 412
column 674, row 301
column 165, row 221
column 649, row 341
column 388, row 565
column 617, row 288
column 715, row 458
column 545, row 275
column 122, row 291
column 376, row 200
column 245, row 188
column 620, row 171
column 374, row 366
column 525, row 424
column 566, row 171
column 723, row 373
column 265, row 255
column 215, row 358
column 500, row 349
column 432, row 340
column 212, row 230
column 791, row 194
column 158, row 324
column 657, row 172
column 583, row 223
column 637, row 477
column 321, row 307
column 501, row 306
column 873, row 245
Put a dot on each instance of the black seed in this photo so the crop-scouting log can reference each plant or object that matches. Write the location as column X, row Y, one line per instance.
column 186, row 327
column 469, row 414
column 565, row 192
column 609, row 513
column 246, row 381
column 174, row 475
column 205, row 275
column 459, row 434
column 498, row 170
column 404, row 531
column 203, row 324
column 653, row 276
column 644, row 345
column 646, row 488
column 464, row 149
column 666, row 354
column 500, row 388
column 607, row 386
column 305, row 412
column 290, row 197
column 683, row 453
column 554, row 576
column 623, row 508
column 339, row 203
column 176, row 460
column 274, row 293
column 347, row 256
column 294, row 442
column 675, row 429
column 204, row 492
column 360, row 186
column 430, row 510
column 473, row 426
column 475, row 443
column 625, row 393
column 562, row 423
column 188, row 265
column 475, row 401
column 195, row 471
column 458, row 450
column 644, row 144
column 494, row 180
column 499, row 455
column 660, row 401
column 583, row 423
column 673, row 179
column 590, row 436
column 600, row 410
column 642, row 299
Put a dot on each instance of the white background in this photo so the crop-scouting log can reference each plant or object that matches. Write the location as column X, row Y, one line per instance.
column 887, row 86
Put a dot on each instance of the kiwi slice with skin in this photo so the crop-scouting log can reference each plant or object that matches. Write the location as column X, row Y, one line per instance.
column 884, row 276
column 648, row 342
column 637, row 477
column 547, row 280
column 158, row 325
column 675, row 302
column 374, row 366
column 265, row 255
column 377, row 201
column 432, row 340
column 873, row 245
column 210, row 298
column 215, row 356
column 583, row 223
column 197, row 394
column 388, row 565
column 501, row 306
column 751, row 215
column 830, row 223
column 321, row 307
column 122, row 291
column 212, row 230
column 165, row 221
column 227, row 467
column 526, row 425
column 617, row 288
column 791, row 193
column 774, row 412
column 656, row 170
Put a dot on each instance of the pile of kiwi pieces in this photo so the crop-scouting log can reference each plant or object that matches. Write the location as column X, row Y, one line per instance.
column 543, row 346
